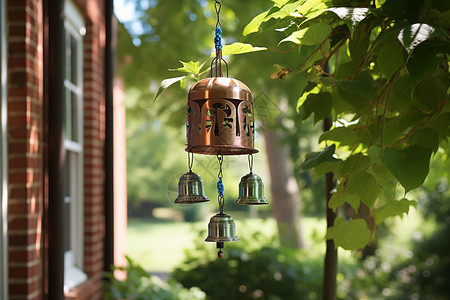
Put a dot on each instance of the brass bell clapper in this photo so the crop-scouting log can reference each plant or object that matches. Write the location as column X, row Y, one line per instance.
column 220, row 121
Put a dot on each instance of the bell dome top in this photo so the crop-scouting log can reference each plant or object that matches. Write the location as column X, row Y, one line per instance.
column 220, row 87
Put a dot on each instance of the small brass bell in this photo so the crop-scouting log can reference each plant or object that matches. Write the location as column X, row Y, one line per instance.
column 190, row 189
column 251, row 190
column 221, row 228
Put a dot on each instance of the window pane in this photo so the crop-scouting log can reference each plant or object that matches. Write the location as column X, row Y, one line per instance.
column 67, row 65
column 68, row 115
column 74, row 60
column 67, row 212
column 74, row 116
column 67, row 205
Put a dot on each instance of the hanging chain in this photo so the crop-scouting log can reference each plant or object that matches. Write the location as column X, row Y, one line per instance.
column 190, row 160
column 218, row 37
column 216, row 63
column 250, row 162
column 220, row 187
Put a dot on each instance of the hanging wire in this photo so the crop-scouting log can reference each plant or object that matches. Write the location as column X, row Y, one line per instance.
column 220, row 187
column 190, row 160
column 250, row 162
column 218, row 7
column 216, row 63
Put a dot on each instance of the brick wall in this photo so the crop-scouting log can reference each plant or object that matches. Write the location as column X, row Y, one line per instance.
column 94, row 137
column 25, row 147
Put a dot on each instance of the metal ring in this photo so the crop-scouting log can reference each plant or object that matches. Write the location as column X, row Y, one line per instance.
column 190, row 160
column 220, row 159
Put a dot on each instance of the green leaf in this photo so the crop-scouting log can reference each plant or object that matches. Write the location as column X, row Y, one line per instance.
column 322, row 107
column 385, row 179
column 359, row 42
column 319, row 104
column 355, row 163
column 390, row 58
column 352, row 14
column 339, row 198
column 393, row 208
column 344, row 135
column 166, row 83
column 305, row 95
column 431, row 91
column 365, row 186
column 423, row 60
column 357, row 86
column 401, row 94
column 254, row 24
column 357, row 93
column 403, row 9
column 426, row 138
column 312, row 8
column 313, row 35
column 279, row 3
column 442, row 125
column 412, row 35
column 410, row 166
column 284, row 11
column 351, row 235
column 192, row 67
column 279, row 11
column 327, row 167
column 375, row 154
column 238, row 48
column 314, row 159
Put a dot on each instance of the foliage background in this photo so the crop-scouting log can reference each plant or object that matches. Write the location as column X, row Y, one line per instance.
column 378, row 68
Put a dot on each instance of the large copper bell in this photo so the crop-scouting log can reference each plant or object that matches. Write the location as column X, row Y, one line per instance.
column 220, row 117
column 190, row 189
column 251, row 190
column 221, row 228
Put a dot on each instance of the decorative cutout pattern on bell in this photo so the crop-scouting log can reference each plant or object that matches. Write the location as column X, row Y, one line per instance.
column 190, row 189
column 251, row 190
column 220, row 117
column 221, row 228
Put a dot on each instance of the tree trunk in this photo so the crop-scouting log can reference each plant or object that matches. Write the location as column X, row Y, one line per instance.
column 284, row 188
column 331, row 259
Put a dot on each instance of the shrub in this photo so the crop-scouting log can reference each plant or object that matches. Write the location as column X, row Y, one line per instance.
column 252, row 272
column 140, row 285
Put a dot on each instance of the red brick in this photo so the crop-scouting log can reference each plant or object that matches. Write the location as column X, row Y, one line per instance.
column 22, row 223
column 24, row 272
column 22, row 239
column 17, row 256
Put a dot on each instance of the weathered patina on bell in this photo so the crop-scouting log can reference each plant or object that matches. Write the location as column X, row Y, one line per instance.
column 190, row 189
column 220, row 117
column 251, row 190
column 221, row 228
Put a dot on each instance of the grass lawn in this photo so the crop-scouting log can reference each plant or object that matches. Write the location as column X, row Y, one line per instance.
column 159, row 246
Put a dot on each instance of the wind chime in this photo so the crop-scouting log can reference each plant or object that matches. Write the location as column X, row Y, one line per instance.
column 220, row 121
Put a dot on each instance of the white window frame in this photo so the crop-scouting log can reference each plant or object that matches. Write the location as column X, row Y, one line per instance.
column 3, row 158
column 73, row 259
